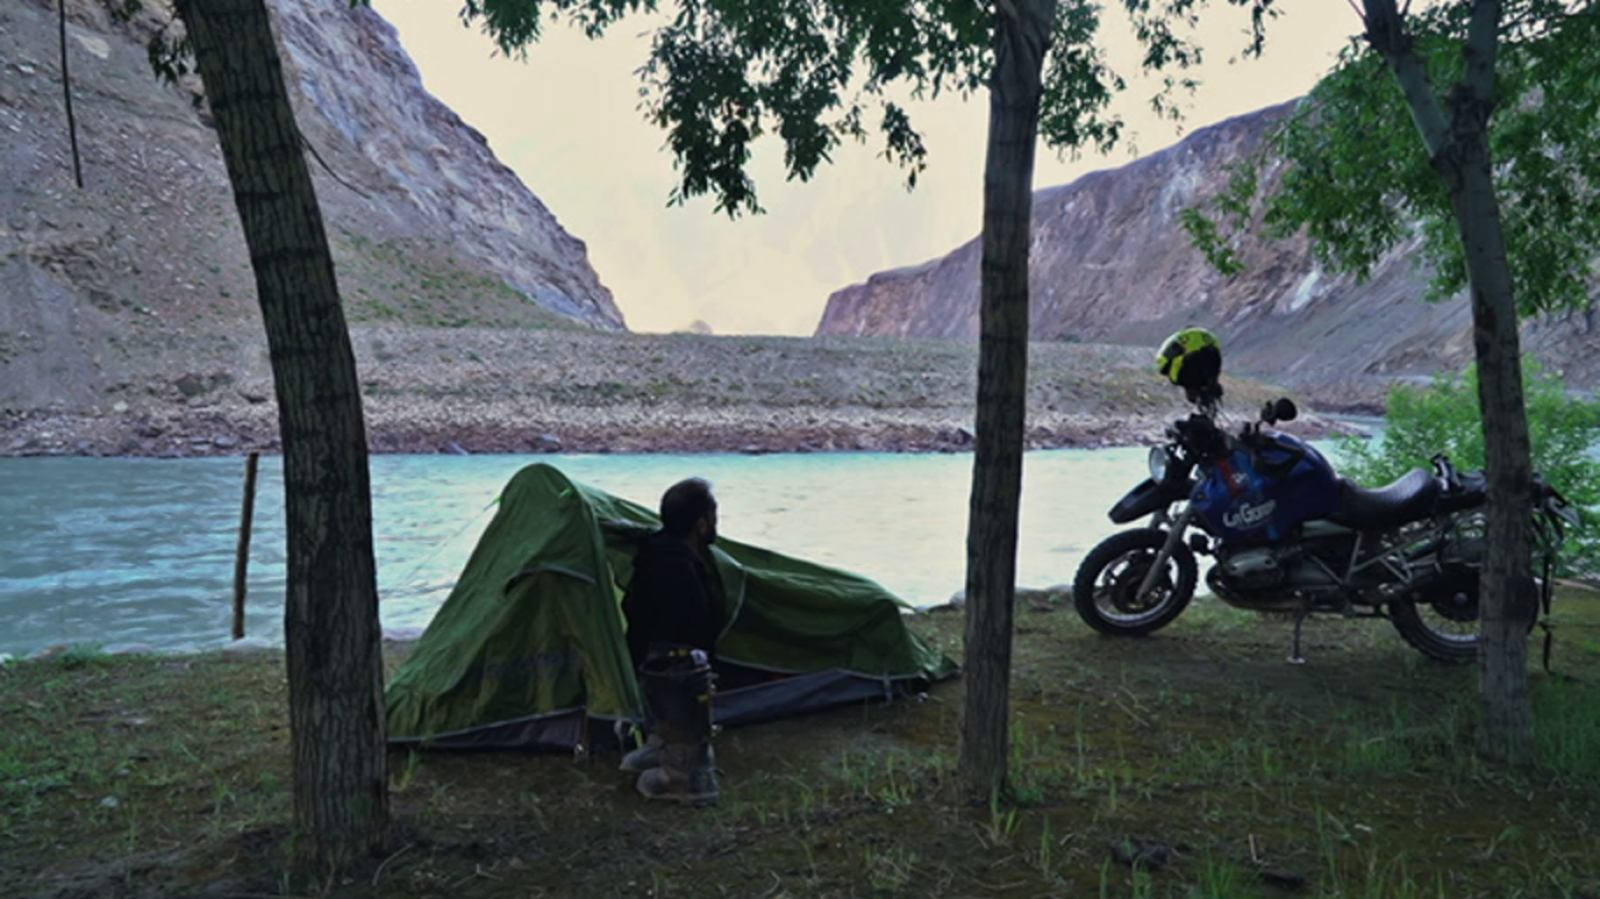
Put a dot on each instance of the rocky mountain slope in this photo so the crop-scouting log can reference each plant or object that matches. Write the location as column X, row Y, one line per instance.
column 110, row 292
column 1111, row 263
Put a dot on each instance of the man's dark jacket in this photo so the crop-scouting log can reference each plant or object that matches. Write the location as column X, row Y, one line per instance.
column 674, row 597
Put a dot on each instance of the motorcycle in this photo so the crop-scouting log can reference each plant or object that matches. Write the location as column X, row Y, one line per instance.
column 1288, row 534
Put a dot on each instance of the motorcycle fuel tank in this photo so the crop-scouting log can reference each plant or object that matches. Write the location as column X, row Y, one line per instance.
column 1265, row 486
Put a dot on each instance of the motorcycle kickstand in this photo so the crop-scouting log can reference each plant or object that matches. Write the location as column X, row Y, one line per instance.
column 1296, row 658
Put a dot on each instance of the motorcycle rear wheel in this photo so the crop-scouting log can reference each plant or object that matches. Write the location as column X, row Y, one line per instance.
column 1441, row 620
column 1109, row 577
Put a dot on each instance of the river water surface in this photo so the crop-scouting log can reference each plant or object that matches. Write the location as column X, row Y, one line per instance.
column 141, row 551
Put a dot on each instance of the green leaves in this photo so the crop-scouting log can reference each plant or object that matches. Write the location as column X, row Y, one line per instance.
column 1209, row 239
column 724, row 73
column 1078, row 85
column 1237, row 204
column 710, row 112
column 1547, row 132
column 1356, row 179
column 1444, row 417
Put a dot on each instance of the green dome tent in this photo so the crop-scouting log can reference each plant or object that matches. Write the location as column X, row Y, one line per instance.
column 529, row 648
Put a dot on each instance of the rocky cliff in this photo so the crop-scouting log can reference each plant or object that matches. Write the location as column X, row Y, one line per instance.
column 147, row 261
column 1111, row 263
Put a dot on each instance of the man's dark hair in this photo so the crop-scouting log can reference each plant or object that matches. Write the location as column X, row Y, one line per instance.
column 685, row 503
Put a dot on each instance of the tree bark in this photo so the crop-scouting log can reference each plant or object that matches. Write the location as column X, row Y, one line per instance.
column 1458, row 144
column 1021, row 37
column 1509, row 599
column 335, row 667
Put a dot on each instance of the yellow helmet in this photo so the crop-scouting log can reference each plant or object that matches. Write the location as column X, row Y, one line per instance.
column 1192, row 359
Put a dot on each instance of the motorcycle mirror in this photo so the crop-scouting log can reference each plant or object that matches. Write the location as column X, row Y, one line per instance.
column 1283, row 409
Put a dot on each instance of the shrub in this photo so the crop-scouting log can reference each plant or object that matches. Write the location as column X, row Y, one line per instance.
column 1444, row 418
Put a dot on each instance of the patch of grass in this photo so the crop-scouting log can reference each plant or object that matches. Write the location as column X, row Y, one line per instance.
column 101, row 756
column 79, row 655
column 1353, row 773
column 1399, row 737
column 1218, row 877
column 415, row 283
column 889, row 870
column 890, row 779
column 1358, row 868
column 380, row 311
column 1568, row 732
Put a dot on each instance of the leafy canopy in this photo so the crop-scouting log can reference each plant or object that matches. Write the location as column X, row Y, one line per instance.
column 722, row 73
column 1444, row 417
column 1347, row 166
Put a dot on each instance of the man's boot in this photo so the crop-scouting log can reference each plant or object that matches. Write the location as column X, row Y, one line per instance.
column 686, row 775
column 679, row 690
column 647, row 756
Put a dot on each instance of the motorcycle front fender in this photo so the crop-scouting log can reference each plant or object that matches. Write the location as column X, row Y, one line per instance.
column 1147, row 498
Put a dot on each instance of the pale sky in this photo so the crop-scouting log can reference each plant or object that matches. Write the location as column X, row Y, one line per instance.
column 567, row 121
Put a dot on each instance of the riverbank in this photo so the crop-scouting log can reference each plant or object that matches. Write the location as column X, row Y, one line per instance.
column 533, row 391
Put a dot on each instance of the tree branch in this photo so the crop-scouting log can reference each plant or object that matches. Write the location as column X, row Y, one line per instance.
column 309, row 148
column 1386, row 33
column 66, row 89
column 1483, row 43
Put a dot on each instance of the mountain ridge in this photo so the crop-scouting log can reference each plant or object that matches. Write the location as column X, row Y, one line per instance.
column 1111, row 263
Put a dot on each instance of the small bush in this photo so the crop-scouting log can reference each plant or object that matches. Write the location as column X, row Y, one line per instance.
column 79, row 655
column 1444, row 417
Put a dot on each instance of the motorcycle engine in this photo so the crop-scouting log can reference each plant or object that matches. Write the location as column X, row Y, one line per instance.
column 1252, row 569
column 1274, row 578
column 1259, row 568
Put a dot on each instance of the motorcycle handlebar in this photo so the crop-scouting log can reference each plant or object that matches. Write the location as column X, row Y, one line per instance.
column 1446, row 470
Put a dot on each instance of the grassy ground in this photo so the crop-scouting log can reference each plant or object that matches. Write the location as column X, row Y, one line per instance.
column 1194, row 763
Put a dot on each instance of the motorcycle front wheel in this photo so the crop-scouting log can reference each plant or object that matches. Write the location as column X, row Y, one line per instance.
column 1441, row 619
column 1105, row 591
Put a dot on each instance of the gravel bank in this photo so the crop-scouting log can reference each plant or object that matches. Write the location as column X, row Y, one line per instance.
column 488, row 391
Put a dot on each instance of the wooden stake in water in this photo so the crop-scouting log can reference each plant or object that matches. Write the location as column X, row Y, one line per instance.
column 242, row 563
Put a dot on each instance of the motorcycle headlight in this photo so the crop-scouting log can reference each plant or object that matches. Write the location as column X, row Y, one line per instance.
column 1160, row 461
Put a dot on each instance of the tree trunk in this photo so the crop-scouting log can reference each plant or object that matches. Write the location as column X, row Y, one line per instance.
column 1458, row 144
column 335, row 665
column 1022, row 31
column 1509, row 599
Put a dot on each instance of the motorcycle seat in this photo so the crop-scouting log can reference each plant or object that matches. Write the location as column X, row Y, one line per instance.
column 1412, row 497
